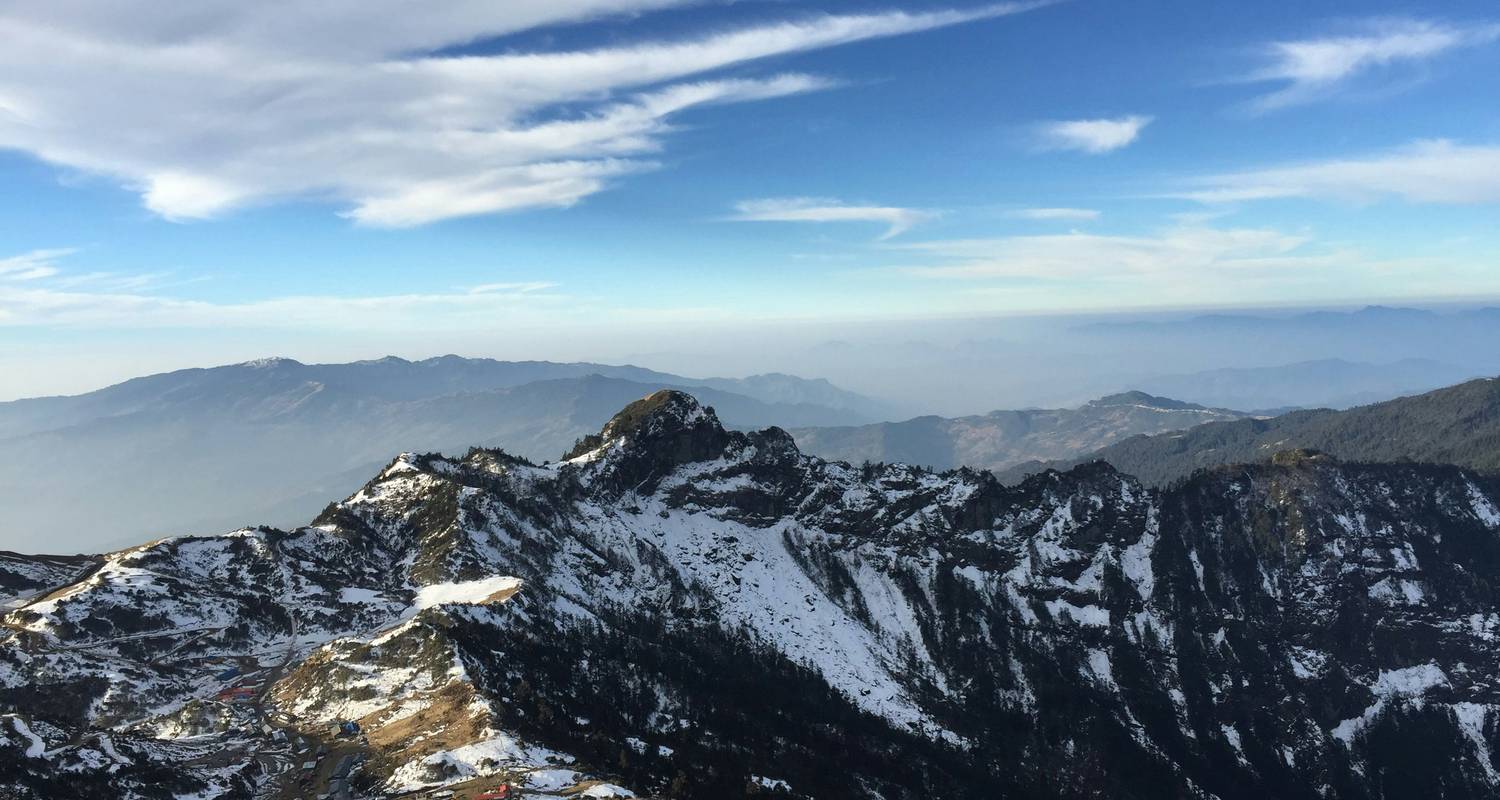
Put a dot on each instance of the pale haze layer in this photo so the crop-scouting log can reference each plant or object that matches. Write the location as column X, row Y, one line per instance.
column 616, row 179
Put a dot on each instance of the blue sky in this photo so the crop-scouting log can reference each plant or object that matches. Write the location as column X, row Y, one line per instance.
column 546, row 180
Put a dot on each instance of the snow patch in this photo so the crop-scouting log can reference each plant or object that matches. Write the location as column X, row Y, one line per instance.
column 465, row 592
column 1307, row 663
column 1397, row 591
column 1483, row 508
column 771, row 783
column 1409, row 681
column 1135, row 562
column 606, row 790
column 1407, row 684
column 1471, row 719
column 1082, row 615
column 551, row 780
column 355, row 594
column 402, row 464
column 1197, row 568
column 1232, row 735
column 1098, row 668
column 477, row 760
column 37, row 748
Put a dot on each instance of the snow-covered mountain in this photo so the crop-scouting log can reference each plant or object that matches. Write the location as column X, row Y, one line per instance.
column 680, row 610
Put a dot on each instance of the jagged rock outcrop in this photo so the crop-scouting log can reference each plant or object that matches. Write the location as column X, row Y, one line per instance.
column 693, row 612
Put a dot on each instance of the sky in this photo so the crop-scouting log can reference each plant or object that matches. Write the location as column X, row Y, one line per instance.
column 204, row 183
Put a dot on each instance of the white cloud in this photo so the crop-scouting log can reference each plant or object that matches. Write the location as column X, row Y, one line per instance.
column 813, row 209
column 1178, row 267
column 1314, row 68
column 1424, row 172
column 1175, row 253
column 1093, row 135
column 1055, row 214
column 31, row 297
column 115, row 301
column 31, row 266
column 521, row 287
column 221, row 104
column 454, row 310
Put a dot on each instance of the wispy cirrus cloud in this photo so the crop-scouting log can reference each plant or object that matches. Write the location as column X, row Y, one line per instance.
column 150, row 301
column 39, row 306
column 1055, row 214
column 33, row 265
column 1179, row 265
column 36, row 289
column 374, row 105
column 43, row 271
column 1187, row 251
column 516, row 287
column 1437, row 171
column 813, row 209
column 1316, row 68
column 1093, row 136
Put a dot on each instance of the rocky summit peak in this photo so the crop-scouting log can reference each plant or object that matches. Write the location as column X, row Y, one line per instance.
column 659, row 411
column 666, row 424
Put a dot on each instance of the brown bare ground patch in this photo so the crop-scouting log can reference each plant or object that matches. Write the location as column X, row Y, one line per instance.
column 448, row 721
column 64, row 591
column 501, row 596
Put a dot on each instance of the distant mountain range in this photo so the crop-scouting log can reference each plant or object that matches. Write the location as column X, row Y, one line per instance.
column 1374, row 334
column 1000, row 439
column 1455, row 425
column 1279, row 359
column 1381, row 321
column 267, row 386
column 275, row 440
column 1322, row 383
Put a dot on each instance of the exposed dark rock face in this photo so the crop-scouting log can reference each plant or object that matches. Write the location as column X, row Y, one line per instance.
column 693, row 612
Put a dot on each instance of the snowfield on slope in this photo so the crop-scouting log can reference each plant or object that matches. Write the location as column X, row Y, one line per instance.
column 467, row 592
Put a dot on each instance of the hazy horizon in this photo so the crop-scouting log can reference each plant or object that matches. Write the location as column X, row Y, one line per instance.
column 662, row 181
column 951, row 367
